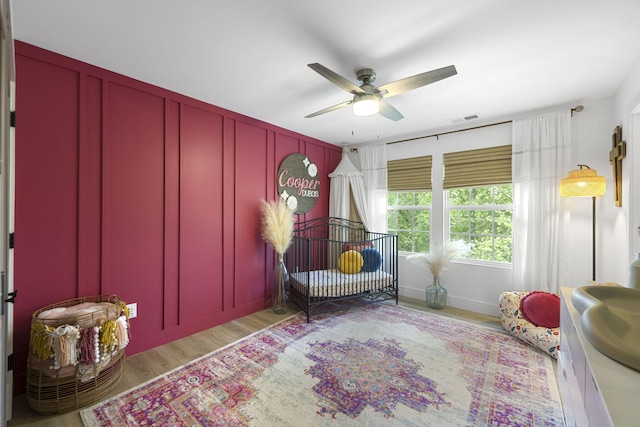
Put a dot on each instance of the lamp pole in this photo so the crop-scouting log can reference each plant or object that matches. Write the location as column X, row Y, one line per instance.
column 593, row 233
column 585, row 182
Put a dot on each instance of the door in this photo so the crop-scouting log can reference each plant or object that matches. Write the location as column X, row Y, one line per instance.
column 6, row 211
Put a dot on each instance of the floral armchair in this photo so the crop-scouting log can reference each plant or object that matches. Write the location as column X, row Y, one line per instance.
column 514, row 322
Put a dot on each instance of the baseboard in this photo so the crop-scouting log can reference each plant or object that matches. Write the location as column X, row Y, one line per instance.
column 457, row 302
column 411, row 293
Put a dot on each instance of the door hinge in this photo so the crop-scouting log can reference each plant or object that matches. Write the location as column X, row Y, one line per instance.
column 12, row 297
column 3, row 288
column 11, row 240
column 12, row 119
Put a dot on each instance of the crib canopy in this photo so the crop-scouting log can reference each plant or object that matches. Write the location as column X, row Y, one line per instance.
column 346, row 177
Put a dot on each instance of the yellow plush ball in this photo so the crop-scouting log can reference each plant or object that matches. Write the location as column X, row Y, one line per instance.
column 350, row 262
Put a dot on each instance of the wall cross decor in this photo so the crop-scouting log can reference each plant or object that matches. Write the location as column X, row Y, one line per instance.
column 617, row 153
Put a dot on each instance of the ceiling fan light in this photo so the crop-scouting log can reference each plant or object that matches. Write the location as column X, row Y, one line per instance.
column 366, row 105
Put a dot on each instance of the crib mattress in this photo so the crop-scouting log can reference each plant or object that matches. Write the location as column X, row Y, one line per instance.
column 334, row 283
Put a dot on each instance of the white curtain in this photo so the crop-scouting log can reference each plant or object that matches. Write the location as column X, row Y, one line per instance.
column 346, row 179
column 541, row 158
column 373, row 161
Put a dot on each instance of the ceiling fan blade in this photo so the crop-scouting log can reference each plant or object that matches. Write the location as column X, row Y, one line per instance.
column 409, row 83
column 336, row 79
column 329, row 109
column 389, row 111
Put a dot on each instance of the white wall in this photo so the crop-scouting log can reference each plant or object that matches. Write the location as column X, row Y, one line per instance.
column 627, row 111
column 476, row 287
column 617, row 239
column 592, row 130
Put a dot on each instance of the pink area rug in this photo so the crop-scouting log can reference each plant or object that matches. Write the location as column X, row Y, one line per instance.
column 379, row 365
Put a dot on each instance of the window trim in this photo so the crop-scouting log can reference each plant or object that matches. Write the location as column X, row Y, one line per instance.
column 447, row 207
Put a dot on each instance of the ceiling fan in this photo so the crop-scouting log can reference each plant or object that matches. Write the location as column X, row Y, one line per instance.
column 369, row 99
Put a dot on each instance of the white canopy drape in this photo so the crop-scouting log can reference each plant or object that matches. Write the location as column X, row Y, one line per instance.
column 347, row 178
column 541, row 157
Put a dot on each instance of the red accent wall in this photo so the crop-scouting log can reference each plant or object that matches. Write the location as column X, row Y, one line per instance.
column 129, row 189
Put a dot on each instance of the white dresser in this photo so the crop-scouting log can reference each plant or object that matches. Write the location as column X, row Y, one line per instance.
column 596, row 391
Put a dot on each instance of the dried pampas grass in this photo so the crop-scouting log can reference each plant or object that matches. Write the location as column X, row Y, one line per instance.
column 438, row 259
column 277, row 224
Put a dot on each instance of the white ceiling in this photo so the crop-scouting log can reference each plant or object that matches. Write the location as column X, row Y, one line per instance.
column 251, row 56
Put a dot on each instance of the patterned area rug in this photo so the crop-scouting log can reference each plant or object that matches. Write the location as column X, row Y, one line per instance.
column 379, row 365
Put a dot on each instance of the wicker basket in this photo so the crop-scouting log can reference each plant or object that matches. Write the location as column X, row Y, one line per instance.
column 52, row 389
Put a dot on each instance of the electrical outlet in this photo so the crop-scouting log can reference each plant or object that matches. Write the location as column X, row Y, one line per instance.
column 133, row 310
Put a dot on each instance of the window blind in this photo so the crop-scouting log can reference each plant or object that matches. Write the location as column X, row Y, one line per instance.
column 413, row 174
column 481, row 167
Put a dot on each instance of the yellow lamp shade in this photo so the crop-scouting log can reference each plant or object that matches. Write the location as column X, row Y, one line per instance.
column 583, row 182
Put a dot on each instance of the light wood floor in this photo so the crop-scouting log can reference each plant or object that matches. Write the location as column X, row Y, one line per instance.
column 151, row 363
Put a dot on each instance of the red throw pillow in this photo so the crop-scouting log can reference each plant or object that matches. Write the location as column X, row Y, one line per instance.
column 541, row 308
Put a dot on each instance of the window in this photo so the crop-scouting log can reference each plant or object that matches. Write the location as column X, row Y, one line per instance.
column 409, row 216
column 482, row 216
column 479, row 198
column 475, row 192
column 409, row 202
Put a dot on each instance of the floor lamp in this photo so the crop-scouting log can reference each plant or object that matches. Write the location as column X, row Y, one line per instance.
column 585, row 182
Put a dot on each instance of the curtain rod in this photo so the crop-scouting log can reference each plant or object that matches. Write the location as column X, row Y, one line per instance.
column 437, row 135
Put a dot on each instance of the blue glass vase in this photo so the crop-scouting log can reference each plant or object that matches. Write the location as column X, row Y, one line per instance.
column 436, row 294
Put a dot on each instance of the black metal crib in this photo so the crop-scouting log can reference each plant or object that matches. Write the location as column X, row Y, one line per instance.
column 336, row 262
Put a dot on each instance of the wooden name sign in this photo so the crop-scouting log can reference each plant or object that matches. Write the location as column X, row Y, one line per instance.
column 298, row 183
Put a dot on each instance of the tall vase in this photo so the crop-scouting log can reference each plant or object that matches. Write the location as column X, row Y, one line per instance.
column 280, row 290
column 436, row 294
